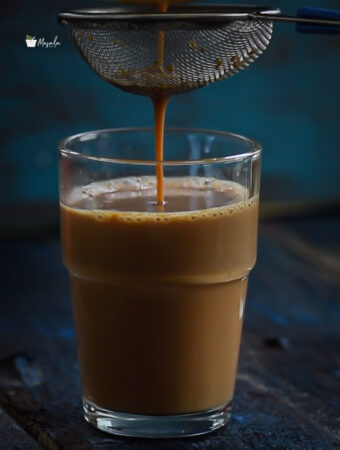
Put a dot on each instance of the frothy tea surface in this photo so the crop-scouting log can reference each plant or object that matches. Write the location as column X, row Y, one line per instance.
column 158, row 297
column 137, row 194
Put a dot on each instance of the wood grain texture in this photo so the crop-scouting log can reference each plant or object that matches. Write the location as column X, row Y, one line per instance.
column 13, row 436
column 287, row 394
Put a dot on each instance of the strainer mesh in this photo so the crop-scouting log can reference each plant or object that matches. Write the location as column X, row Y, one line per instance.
column 126, row 53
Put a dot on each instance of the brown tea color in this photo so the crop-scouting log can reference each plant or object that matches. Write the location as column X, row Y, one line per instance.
column 158, row 298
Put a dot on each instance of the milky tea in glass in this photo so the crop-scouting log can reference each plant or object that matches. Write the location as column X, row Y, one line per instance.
column 158, row 293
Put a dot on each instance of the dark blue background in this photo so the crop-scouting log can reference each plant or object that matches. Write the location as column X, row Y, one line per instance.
column 289, row 100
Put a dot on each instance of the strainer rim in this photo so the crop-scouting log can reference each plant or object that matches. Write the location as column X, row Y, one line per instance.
column 184, row 12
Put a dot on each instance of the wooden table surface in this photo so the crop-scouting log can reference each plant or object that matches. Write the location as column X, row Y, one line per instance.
column 287, row 393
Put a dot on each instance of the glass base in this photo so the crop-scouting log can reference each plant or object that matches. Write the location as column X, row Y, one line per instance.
column 136, row 425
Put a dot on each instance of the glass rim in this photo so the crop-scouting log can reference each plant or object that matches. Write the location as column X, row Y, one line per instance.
column 87, row 135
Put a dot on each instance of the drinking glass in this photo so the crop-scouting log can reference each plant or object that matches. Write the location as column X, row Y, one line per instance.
column 158, row 290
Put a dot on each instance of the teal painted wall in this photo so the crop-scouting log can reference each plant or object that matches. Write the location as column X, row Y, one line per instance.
column 289, row 100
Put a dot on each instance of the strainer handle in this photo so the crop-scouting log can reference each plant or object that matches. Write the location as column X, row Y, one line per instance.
column 308, row 17
column 318, row 13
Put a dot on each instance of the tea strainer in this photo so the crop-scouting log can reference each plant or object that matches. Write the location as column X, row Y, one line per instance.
column 149, row 53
